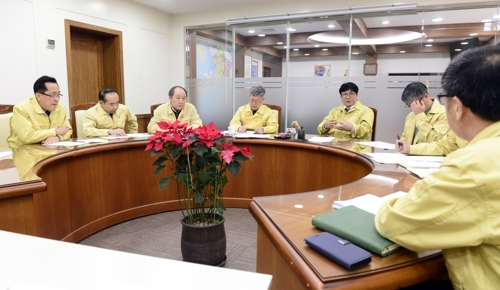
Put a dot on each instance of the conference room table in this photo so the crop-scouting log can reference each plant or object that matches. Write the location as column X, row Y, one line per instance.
column 68, row 193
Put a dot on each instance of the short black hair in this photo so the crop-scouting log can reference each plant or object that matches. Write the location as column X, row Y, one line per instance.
column 104, row 92
column 348, row 86
column 39, row 85
column 472, row 76
column 172, row 90
column 413, row 90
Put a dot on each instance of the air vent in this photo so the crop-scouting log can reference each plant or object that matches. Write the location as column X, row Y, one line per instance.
column 268, row 30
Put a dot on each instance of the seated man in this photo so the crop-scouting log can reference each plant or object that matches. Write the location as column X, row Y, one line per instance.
column 40, row 118
column 427, row 120
column 255, row 116
column 176, row 109
column 456, row 208
column 349, row 120
column 108, row 117
column 444, row 146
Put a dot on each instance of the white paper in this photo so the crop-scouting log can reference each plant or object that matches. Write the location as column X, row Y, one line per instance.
column 387, row 158
column 5, row 154
column 64, row 143
column 320, row 139
column 379, row 144
column 367, row 202
column 408, row 163
column 114, row 137
column 90, row 141
column 252, row 135
column 422, row 172
column 425, row 158
column 138, row 135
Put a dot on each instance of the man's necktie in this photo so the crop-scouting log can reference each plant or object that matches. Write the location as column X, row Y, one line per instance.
column 111, row 115
column 346, row 110
column 48, row 113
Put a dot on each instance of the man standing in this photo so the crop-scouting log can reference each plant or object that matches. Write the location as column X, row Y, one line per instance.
column 457, row 208
column 349, row 120
column 176, row 109
column 427, row 120
column 108, row 117
column 255, row 116
column 40, row 118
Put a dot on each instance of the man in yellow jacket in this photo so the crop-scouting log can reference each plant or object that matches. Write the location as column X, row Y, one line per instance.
column 40, row 118
column 457, row 208
column 176, row 109
column 255, row 116
column 349, row 120
column 427, row 120
column 108, row 117
column 444, row 146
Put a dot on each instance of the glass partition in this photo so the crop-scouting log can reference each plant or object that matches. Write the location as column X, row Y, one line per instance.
column 302, row 63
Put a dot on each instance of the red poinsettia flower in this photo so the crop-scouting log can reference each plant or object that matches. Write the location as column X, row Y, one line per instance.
column 246, row 151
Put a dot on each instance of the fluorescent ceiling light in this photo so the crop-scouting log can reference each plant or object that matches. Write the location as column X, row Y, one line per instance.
column 386, row 22
column 306, row 54
column 355, row 53
column 402, row 51
column 437, row 19
column 486, row 20
column 317, row 45
column 262, row 35
column 325, row 49
column 295, row 49
column 428, row 45
column 285, row 46
column 279, row 43
column 291, row 29
column 496, row 16
column 458, row 49
column 375, row 37
column 464, row 43
column 331, row 26
column 430, row 40
column 251, row 31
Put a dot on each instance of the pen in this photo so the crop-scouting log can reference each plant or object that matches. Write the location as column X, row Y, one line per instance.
column 399, row 144
column 241, row 122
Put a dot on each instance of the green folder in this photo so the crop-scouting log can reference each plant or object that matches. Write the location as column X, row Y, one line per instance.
column 358, row 227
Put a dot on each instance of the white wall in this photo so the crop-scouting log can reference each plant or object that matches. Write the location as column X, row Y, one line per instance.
column 146, row 41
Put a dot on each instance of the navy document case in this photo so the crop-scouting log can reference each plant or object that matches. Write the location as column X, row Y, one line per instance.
column 339, row 250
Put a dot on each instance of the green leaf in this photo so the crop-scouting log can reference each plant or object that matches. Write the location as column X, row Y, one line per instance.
column 160, row 160
column 164, row 182
column 200, row 150
column 199, row 198
column 234, row 167
column 158, row 169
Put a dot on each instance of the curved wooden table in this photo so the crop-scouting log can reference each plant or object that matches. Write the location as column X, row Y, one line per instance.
column 90, row 187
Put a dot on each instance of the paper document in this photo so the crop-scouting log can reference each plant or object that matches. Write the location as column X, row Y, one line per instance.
column 114, row 137
column 252, row 135
column 422, row 172
column 367, row 202
column 5, row 154
column 139, row 135
column 378, row 144
column 92, row 141
column 64, row 143
column 320, row 139
column 409, row 163
column 387, row 158
column 425, row 158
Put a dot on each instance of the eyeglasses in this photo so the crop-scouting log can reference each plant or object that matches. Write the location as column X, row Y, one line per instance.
column 350, row 94
column 255, row 101
column 442, row 95
column 52, row 96
column 407, row 105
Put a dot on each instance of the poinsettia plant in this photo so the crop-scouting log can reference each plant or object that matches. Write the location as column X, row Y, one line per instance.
column 199, row 159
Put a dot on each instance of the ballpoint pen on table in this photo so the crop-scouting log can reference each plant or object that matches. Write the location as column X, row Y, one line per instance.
column 399, row 144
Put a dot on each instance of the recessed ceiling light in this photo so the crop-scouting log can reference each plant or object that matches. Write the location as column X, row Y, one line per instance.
column 331, row 26
column 430, row 40
column 325, row 49
column 280, row 43
column 402, row 51
column 486, row 20
column 473, row 34
column 306, row 54
column 458, row 49
column 437, row 19
column 262, row 35
column 386, row 22
column 355, row 53
column 291, row 29
column 295, row 49
column 251, row 31
column 316, row 45
column 464, row 43
column 428, row 45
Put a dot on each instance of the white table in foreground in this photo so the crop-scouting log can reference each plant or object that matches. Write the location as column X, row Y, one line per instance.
column 48, row 264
